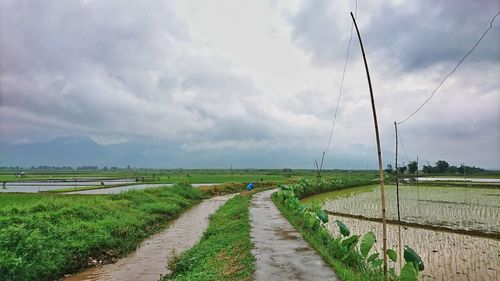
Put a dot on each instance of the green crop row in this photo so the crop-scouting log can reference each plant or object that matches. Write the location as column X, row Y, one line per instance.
column 307, row 187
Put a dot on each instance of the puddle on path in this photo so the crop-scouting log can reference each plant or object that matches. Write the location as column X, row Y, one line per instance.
column 149, row 261
column 280, row 251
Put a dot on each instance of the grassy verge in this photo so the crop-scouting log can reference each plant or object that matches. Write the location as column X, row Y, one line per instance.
column 210, row 190
column 233, row 187
column 44, row 236
column 223, row 252
column 347, row 268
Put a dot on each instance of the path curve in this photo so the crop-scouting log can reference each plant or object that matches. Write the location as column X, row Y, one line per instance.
column 149, row 261
column 280, row 251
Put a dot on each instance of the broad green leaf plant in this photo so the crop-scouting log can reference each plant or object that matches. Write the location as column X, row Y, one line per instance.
column 314, row 218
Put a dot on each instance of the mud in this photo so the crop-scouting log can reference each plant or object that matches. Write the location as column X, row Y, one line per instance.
column 280, row 251
column 149, row 261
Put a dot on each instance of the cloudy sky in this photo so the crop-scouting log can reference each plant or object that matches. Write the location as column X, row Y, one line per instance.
column 247, row 75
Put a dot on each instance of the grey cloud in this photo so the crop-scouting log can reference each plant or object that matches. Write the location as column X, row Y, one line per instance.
column 317, row 30
column 418, row 34
column 114, row 67
column 129, row 71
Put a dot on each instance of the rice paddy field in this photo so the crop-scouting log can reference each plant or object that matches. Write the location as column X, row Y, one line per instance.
column 174, row 175
column 444, row 218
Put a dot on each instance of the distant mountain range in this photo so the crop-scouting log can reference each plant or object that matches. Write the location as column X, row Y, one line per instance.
column 81, row 150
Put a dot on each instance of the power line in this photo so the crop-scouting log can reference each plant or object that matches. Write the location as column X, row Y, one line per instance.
column 340, row 90
column 341, row 82
column 403, row 146
column 453, row 70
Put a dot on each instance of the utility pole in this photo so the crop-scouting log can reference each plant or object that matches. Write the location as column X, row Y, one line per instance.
column 465, row 179
column 417, row 171
column 379, row 150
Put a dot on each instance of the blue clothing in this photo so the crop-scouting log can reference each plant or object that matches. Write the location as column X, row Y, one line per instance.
column 250, row 186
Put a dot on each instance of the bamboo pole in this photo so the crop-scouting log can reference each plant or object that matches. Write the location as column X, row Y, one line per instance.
column 397, row 198
column 379, row 151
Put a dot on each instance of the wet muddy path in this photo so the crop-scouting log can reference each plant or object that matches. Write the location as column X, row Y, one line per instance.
column 280, row 251
column 149, row 261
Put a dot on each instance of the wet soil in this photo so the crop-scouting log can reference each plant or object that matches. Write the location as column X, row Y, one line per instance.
column 280, row 251
column 149, row 261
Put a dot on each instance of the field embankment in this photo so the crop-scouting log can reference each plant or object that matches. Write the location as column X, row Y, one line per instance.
column 223, row 252
column 348, row 264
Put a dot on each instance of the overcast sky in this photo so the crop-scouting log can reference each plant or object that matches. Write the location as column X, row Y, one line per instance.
column 252, row 74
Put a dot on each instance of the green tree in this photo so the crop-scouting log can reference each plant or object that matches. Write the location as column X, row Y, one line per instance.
column 402, row 169
column 389, row 169
column 442, row 166
column 412, row 167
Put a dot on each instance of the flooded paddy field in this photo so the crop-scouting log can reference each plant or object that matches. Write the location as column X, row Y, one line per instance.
column 459, row 179
column 125, row 185
column 461, row 208
column 448, row 255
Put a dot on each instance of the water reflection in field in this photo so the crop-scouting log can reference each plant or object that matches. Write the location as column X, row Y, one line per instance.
column 447, row 256
column 453, row 207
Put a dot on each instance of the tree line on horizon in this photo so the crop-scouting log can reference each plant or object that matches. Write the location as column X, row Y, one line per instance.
column 440, row 167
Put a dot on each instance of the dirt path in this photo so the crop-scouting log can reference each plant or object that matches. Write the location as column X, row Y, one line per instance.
column 280, row 251
column 149, row 261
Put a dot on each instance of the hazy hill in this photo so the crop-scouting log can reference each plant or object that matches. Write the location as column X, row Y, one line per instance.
column 81, row 150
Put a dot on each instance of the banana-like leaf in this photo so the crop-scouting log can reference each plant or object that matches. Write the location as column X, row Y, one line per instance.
column 322, row 216
column 372, row 257
column 392, row 255
column 408, row 273
column 350, row 242
column 411, row 256
column 343, row 228
column 377, row 262
column 367, row 243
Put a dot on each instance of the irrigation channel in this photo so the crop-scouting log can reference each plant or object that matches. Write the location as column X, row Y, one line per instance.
column 125, row 185
column 456, row 230
column 280, row 251
column 149, row 261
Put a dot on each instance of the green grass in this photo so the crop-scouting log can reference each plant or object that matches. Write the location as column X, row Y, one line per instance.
column 44, row 236
column 224, row 252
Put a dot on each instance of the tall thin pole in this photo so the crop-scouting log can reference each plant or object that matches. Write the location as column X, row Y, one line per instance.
column 379, row 151
column 465, row 179
column 417, row 171
column 321, row 165
column 397, row 198
column 397, row 176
